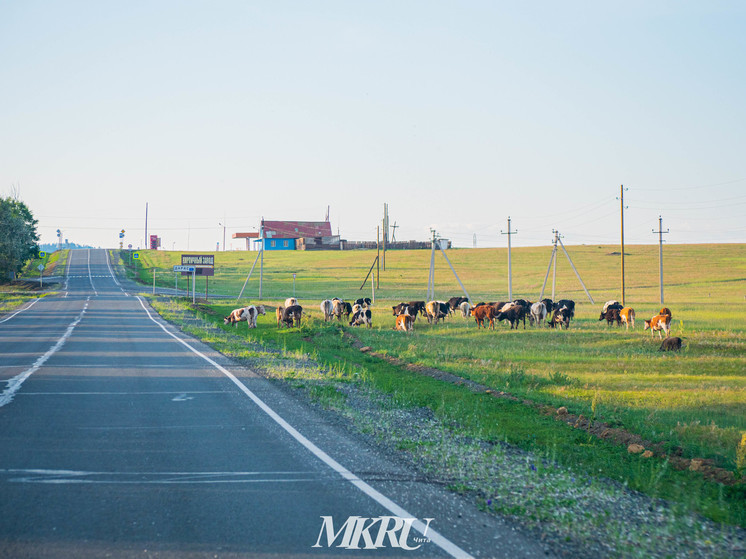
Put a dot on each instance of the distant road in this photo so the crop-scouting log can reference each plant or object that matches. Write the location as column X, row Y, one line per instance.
column 120, row 436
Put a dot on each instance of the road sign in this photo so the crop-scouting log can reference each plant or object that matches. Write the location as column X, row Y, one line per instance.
column 205, row 263
column 189, row 269
column 40, row 267
column 42, row 254
column 136, row 256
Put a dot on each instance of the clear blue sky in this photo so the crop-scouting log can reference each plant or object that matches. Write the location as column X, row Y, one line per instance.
column 457, row 115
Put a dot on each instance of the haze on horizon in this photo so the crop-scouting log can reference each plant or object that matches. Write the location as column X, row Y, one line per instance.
column 457, row 116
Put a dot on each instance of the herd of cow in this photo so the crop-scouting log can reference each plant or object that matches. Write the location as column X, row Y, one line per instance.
column 555, row 314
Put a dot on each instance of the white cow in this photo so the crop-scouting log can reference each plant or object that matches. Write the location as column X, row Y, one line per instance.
column 538, row 314
column 327, row 307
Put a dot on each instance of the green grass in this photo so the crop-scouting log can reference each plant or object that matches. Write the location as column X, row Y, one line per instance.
column 694, row 401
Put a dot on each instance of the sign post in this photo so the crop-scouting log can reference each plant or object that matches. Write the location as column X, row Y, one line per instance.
column 40, row 267
column 188, row 270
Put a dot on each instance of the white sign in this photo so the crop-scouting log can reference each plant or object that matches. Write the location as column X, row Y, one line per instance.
column 184, row 268
column 40, row 267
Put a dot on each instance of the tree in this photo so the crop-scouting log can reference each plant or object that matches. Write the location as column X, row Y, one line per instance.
column 18, row 237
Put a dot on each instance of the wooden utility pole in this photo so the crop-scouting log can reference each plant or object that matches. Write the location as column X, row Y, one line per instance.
column 621, row 209
column 510, row 268
column 660, row 232
column 378, row 252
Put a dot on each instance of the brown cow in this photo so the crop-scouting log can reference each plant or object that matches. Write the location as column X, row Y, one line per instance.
column 659, row 323
column 482, row 312
column 611, row 315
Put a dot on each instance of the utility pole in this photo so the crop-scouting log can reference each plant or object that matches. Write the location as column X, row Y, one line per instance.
column 474, row 240
column 261, row 256
column 378, row 252
column 385, row 232
column 146, row 245
column 621, row 210
column 393, row 232
column 660, row 232
column 431, row 278
column 510, row 268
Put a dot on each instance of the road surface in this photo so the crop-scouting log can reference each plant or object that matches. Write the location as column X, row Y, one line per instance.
column 122, row 437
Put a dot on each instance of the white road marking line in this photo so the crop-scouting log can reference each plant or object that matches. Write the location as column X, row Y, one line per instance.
column 14, row 383
column 106, row 255
column 434, row 536
column 178, row 394
column 6, row 319
column 90, row 278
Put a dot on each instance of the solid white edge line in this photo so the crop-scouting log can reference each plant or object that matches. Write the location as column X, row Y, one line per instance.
column 6, row 319
column 434, row 536
column 112, row 271
column 14, row 383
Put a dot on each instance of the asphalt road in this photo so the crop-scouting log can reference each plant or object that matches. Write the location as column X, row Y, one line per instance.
column 121, row 437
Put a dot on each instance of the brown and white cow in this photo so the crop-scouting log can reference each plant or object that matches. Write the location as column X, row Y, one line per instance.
column 291, row 316
column 436, row 310
column 362, row 316
column 236, row 316
column 659, row 323
column 404, row 323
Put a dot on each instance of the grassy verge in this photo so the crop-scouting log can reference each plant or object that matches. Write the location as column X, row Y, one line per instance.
column 511, row 458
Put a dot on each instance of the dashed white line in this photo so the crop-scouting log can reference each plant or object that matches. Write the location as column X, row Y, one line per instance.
column 435, row 537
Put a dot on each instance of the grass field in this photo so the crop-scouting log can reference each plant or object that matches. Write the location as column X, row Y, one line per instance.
column 691, row 405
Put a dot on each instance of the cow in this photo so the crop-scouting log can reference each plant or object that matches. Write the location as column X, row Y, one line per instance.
column 252, row 313
column 327, row 307
column 362, row 316
column 363, row 302
column 538, row 314
column 611, row 315
column 279, row 314
column 513, row 314
column 291, row 316
column 671, row 344
column 569, row 303
column 482, row 313
column 417, row 307
column 665, row 311
column 464, row 308
column 561, row 317
column 405, row 309
column 236, row 316
column 341, row 308
column 455, row 302
column 436, row 310
column 611, row 304
column 404, row 323
column 659, row 323
column 290, row 301
column 627, row 315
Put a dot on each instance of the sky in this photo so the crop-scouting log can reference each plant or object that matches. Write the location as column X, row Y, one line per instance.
column 458, row 115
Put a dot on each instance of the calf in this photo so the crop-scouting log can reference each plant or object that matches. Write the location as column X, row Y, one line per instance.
column 279, row 311
column 659, row 323
column 362, row 316
column 611, row 315
column 290, row 301
column 482, row 313
column 665, row 311
column 404, row 323
column 327, row 307
column 561, row 317
column 627, row 315
column 363, row 302
column 514, row 315
column 671, row 344
column 291, row 316
column 538, row 314
column 236, row 316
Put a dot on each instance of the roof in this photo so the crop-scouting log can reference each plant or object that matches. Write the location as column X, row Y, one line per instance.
column 296, row 229
column 245, row 235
